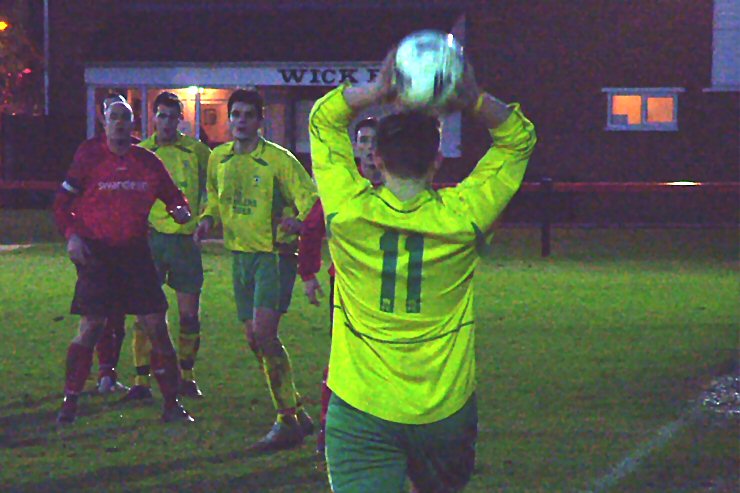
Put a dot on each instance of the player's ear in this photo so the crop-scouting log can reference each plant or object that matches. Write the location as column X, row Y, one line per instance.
column 436, row 164
column 438, row 161
column 378, row 161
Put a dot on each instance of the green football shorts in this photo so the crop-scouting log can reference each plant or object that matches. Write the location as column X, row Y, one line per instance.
column 366, row 454
column 256, row 279
column 288, row 266
column 178, row 261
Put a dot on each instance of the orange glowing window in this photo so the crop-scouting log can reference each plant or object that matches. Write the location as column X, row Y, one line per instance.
column 627, row 109
column 659, row 110
column 642, row 108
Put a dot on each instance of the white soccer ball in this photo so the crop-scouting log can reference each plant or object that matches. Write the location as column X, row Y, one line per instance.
column 429, row 64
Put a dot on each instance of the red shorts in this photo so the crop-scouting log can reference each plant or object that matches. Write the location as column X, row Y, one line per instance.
column 115, row 279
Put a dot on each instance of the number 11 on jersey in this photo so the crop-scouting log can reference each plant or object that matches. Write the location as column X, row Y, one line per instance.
column 414, row 245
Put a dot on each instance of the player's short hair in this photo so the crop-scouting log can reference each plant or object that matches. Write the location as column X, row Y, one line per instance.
column 109, row 98
column 248, row 96
column 408, row 142
column 169, row 99
column 369, row 122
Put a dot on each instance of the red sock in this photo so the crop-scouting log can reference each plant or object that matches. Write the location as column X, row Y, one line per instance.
column 79, row 360
column 325, row 396
column 108, row 347
column 165, row 369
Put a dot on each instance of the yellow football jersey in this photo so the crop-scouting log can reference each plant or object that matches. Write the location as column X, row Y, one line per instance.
column 404, row 328
column 248, row 193
column 187, row 161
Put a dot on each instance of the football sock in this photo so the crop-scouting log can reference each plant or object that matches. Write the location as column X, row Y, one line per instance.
column 189, row 343
column 120, row 331
column 79, row 361
column 142, row 348
column 142, row 376
column 164, row 366
column 279, row 376
column 287, row 416
column 256, row 351
column 298, row 403
column 325, row 396
column 108, row 347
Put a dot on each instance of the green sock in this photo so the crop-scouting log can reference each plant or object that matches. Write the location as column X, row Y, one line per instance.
column 279, row 375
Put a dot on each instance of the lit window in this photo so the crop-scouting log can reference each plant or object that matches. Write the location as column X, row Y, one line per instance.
column 659, row 110
column 642, row 108
column 626, row 109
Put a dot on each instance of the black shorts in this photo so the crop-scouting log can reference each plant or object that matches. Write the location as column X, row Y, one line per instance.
column 119, row 278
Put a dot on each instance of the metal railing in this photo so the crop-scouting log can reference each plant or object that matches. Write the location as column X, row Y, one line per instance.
column 546, row 187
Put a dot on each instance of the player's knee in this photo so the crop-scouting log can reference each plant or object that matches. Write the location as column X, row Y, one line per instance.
column 91, row 328
column 155, row 328
column 189, row 324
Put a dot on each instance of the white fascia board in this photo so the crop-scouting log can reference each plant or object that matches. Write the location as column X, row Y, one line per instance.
column 231, row 74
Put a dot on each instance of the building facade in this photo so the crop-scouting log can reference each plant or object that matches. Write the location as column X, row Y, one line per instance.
column 619, row 91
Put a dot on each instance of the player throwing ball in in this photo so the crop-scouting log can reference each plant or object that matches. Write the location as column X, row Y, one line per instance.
column 403, row 345
column 102, row 210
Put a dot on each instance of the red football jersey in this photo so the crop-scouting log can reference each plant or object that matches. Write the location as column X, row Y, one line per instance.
column 310, row 240
column 309, row 243
column 108, row 197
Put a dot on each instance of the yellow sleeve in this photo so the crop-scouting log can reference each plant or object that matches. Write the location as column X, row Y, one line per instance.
column 211, row 209
column 296, row 185
column 147, row 143
column 332, row 155
column 499, row 173
column 204, row 153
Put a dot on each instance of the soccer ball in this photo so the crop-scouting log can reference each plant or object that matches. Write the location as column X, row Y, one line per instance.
column 429, row 64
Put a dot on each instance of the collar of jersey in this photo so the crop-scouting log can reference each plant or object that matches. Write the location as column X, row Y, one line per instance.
column 178, row 140
column 257, row 152
column 389, row 199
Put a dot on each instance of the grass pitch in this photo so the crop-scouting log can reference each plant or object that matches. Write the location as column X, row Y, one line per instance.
column 581, row 358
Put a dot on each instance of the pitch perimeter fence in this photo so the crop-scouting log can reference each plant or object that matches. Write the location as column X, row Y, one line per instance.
column 546, row 190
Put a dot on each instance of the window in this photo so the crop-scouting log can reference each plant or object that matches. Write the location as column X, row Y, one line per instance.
column 642, row 108
column 725, row 40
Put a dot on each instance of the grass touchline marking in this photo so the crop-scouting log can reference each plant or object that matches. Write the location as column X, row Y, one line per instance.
column 633, row 460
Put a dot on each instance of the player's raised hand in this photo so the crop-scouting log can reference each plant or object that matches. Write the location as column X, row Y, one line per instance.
column 77, row 250
column 313, row 291
column 381, row 90
column 466, row 92
column 387, row 91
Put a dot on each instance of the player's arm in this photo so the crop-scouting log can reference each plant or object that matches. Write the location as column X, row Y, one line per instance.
column 173, row 198
column 332, row 155
column 309, row 243
column 70, row 190
column 500, row 172
column 204, row 153
column 211, row 213
column 309, row 252
column 296, row 186
column 64, row 205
